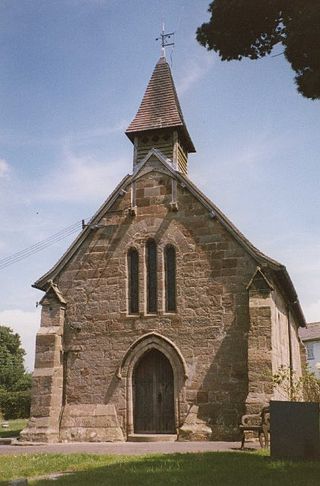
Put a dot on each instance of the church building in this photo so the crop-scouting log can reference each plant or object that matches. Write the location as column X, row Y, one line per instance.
column 161, row 318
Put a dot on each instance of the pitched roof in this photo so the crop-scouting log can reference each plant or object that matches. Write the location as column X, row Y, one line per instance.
column 54, row 289
column 160, row 107
column 278, row 271
column 260, row 278
column 311, row 332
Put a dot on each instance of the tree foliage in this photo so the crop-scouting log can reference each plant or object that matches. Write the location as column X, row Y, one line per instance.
column 12, row 369
column 15, row 382
column 251, row 28
column 15, row 405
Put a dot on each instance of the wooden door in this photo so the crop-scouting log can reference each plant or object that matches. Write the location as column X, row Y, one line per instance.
column 153, row 397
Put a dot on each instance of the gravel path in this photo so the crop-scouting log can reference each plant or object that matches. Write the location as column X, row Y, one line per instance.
column 124, row 448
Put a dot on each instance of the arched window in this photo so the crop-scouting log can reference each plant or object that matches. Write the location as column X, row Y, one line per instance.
column 151, row 266
column 133, row 281
column 170, row 277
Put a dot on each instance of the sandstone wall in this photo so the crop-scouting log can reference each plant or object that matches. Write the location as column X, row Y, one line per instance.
column 273, row 343
column 47, row 378
column 211, row 323
column 284, row 336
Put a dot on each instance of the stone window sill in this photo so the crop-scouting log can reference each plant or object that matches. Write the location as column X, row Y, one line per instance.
column 141, row 315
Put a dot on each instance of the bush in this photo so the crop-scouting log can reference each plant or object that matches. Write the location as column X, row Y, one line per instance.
column 311, row 387
column 298, row 388
column 15, row 382
column 11, row 358
column 14, row 405
column 24, row 383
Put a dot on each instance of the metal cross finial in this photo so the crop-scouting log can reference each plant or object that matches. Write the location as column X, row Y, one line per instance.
column 165, row 41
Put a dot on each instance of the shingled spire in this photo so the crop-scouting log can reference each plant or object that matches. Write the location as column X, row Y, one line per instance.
column 159, row 121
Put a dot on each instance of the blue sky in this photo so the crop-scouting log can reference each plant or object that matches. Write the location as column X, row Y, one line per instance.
column 72, row 76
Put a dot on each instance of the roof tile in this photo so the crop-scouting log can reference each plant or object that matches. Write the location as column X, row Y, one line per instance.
column 311, row 332
column 160, row 107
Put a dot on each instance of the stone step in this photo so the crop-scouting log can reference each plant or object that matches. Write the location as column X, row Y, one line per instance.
column 152, row 437
column 6, row 440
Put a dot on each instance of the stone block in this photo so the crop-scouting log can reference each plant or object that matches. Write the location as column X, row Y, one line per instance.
column 90, row 422
column 40, row 429
column 194, row 428
column 202, row 397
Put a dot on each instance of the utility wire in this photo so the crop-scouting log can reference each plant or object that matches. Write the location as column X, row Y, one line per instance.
column 41, row 245
column 15, row 259
column 175, row 31
column 26, row 255
column 276, row 55
column 61, row 232
column 22, row 256
column 180, row 17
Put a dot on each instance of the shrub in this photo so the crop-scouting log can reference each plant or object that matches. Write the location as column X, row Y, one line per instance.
column 298, row 388
column 311, row 387
column 15, row 405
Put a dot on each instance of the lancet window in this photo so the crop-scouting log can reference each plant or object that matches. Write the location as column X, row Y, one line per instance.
column 151, row 267
column 170, row 278
column 133, row 281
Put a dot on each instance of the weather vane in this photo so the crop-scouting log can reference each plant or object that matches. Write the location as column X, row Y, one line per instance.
column 166, row 40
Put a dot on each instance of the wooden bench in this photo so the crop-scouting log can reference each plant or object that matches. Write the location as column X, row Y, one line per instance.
column 260, row 423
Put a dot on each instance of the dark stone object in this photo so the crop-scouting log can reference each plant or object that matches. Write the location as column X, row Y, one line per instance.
column 294, row 430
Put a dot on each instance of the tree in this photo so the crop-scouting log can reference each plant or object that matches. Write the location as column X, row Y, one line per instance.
column 251, row 28
column 15, row 382
column 12, row 369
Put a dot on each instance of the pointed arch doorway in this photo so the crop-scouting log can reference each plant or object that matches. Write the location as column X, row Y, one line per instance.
column 153, row 394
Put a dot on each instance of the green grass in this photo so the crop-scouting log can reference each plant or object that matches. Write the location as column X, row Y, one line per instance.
column 15, row 427
column 211, row 468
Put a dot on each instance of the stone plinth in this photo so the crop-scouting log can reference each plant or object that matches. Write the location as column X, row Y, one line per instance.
column 90, row 423
column 194, row 428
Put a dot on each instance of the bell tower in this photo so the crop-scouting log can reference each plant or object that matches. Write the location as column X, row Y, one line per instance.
column 159, row 122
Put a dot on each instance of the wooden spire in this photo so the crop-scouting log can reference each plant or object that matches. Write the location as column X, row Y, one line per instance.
column 160, row 113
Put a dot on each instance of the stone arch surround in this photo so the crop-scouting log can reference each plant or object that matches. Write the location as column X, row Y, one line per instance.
column 145, row 343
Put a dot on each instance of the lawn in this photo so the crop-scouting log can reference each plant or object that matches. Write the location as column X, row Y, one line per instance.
column 212, row 468
column 15, row 427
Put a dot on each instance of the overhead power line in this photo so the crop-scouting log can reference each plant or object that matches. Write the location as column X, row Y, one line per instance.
column 41, row 245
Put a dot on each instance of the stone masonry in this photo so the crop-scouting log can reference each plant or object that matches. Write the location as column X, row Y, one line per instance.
column 223, row 342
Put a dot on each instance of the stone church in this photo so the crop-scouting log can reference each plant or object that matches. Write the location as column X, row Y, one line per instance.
column 161, row 318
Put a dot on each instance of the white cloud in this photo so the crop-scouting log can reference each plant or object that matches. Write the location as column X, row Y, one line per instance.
column 26, row 324
column 82, row 177
column 243, row 160
column 4, row 168
column 193, row 71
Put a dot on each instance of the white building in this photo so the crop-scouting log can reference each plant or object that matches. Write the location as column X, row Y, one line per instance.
column 310, row 336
